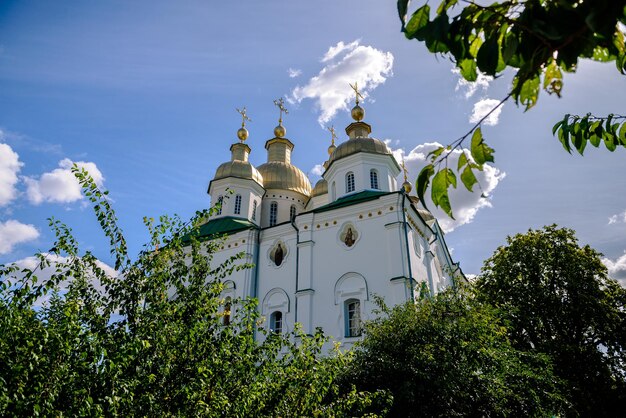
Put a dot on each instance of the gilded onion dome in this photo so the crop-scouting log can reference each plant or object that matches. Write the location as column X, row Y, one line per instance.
column 321, row 187
column 279, row 173
column 356, row 145
column 239, row 166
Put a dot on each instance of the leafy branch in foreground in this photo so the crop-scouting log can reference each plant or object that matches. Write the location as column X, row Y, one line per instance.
column 540, row 39
column 579, row 130
column 152, row 341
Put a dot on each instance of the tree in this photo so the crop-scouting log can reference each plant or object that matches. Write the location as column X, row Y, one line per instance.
column 450, row 356
column 538, row 39
column 556, row 298
column 151, row 342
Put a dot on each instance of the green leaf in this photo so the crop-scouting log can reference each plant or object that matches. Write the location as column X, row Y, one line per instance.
column 622, row 134
column 468, row 69
column 403, row 6
column 435, row 153
column 439, row 191
column 510, row 47
column 422, row 182
column 487, row 57
column 529, row 92
column 445, row 5
column 553, row 79
column 479, row 149
column 594, row 138
column 418, row 21
column 468, row 178
column 462, row 160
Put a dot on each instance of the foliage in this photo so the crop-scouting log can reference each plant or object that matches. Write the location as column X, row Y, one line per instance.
column 580, row 130
column 450, row 356
column 557, row 299
column 539, row 39
column 152, row 342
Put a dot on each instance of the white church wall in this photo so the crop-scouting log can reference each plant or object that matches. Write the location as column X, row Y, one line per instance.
column 284, row 200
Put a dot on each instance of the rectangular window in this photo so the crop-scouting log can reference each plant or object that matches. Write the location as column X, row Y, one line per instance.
column 273, row 213
column 237, row 204
column 353, row 318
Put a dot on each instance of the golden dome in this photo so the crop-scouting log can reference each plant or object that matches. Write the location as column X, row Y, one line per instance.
column 356, row 145
column 358, row 113
column 284, row 176
column 407, row 187
column 331, row 149
column 239, row 169
column 242, row 134
column 321, row 187
column 280, row 131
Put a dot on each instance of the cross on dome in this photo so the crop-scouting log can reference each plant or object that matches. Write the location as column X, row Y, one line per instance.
column 355, row 87
column 242, row 133
column 280, row 103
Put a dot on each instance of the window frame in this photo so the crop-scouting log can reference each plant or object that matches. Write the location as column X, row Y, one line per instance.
column 352, row 317
column 273, row 213
column 374, row 183
column 237, row 210
column 276, row 322
column 350, row 182
column 254, row 205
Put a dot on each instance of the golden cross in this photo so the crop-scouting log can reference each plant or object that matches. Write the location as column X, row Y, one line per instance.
column 356, row 92
column 332, row 133
column 404, row 169
column 280, row 103
column 244, row 117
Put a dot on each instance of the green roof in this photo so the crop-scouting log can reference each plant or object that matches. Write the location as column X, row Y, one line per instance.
column 352, row 199
column 226, row 225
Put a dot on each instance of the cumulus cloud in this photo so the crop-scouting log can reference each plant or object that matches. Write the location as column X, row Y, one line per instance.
column 465, row 205
column 317, row 170
column 345, row 63
column 13, row 233
column 617, row 268
column 10, row 166
column 617, row 218
column 60, row 185
column 294, row 72
column 469, row 88
column 58, row 262
column 482, row 107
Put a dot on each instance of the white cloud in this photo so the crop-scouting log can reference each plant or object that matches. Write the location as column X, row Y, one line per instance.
column 346, row 63
column 617, row 268
column 60, row 185
column 10, row 166
column 318, row 170
column 13, row 232
column 465, row 205
column 482, row 107
column 294, row 72
column 471, row 87
column 57, row 262
column 620, row 217
column 333, row 51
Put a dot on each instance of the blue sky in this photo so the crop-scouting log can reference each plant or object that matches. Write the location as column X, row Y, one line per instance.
column 143, row 94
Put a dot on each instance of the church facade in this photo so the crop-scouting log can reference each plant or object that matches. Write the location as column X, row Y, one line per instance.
column 322, row 253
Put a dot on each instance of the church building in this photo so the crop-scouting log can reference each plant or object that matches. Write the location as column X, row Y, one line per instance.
column 322, row 253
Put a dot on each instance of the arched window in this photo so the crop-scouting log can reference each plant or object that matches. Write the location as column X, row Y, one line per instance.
column 292, row 212
column 227, row 307
column 254, row 211
column 220, row 203
column 352, row 315
column 237, row 204
column 276, row 322
column 349, row 182
column 374, row 179
column 273, row 213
